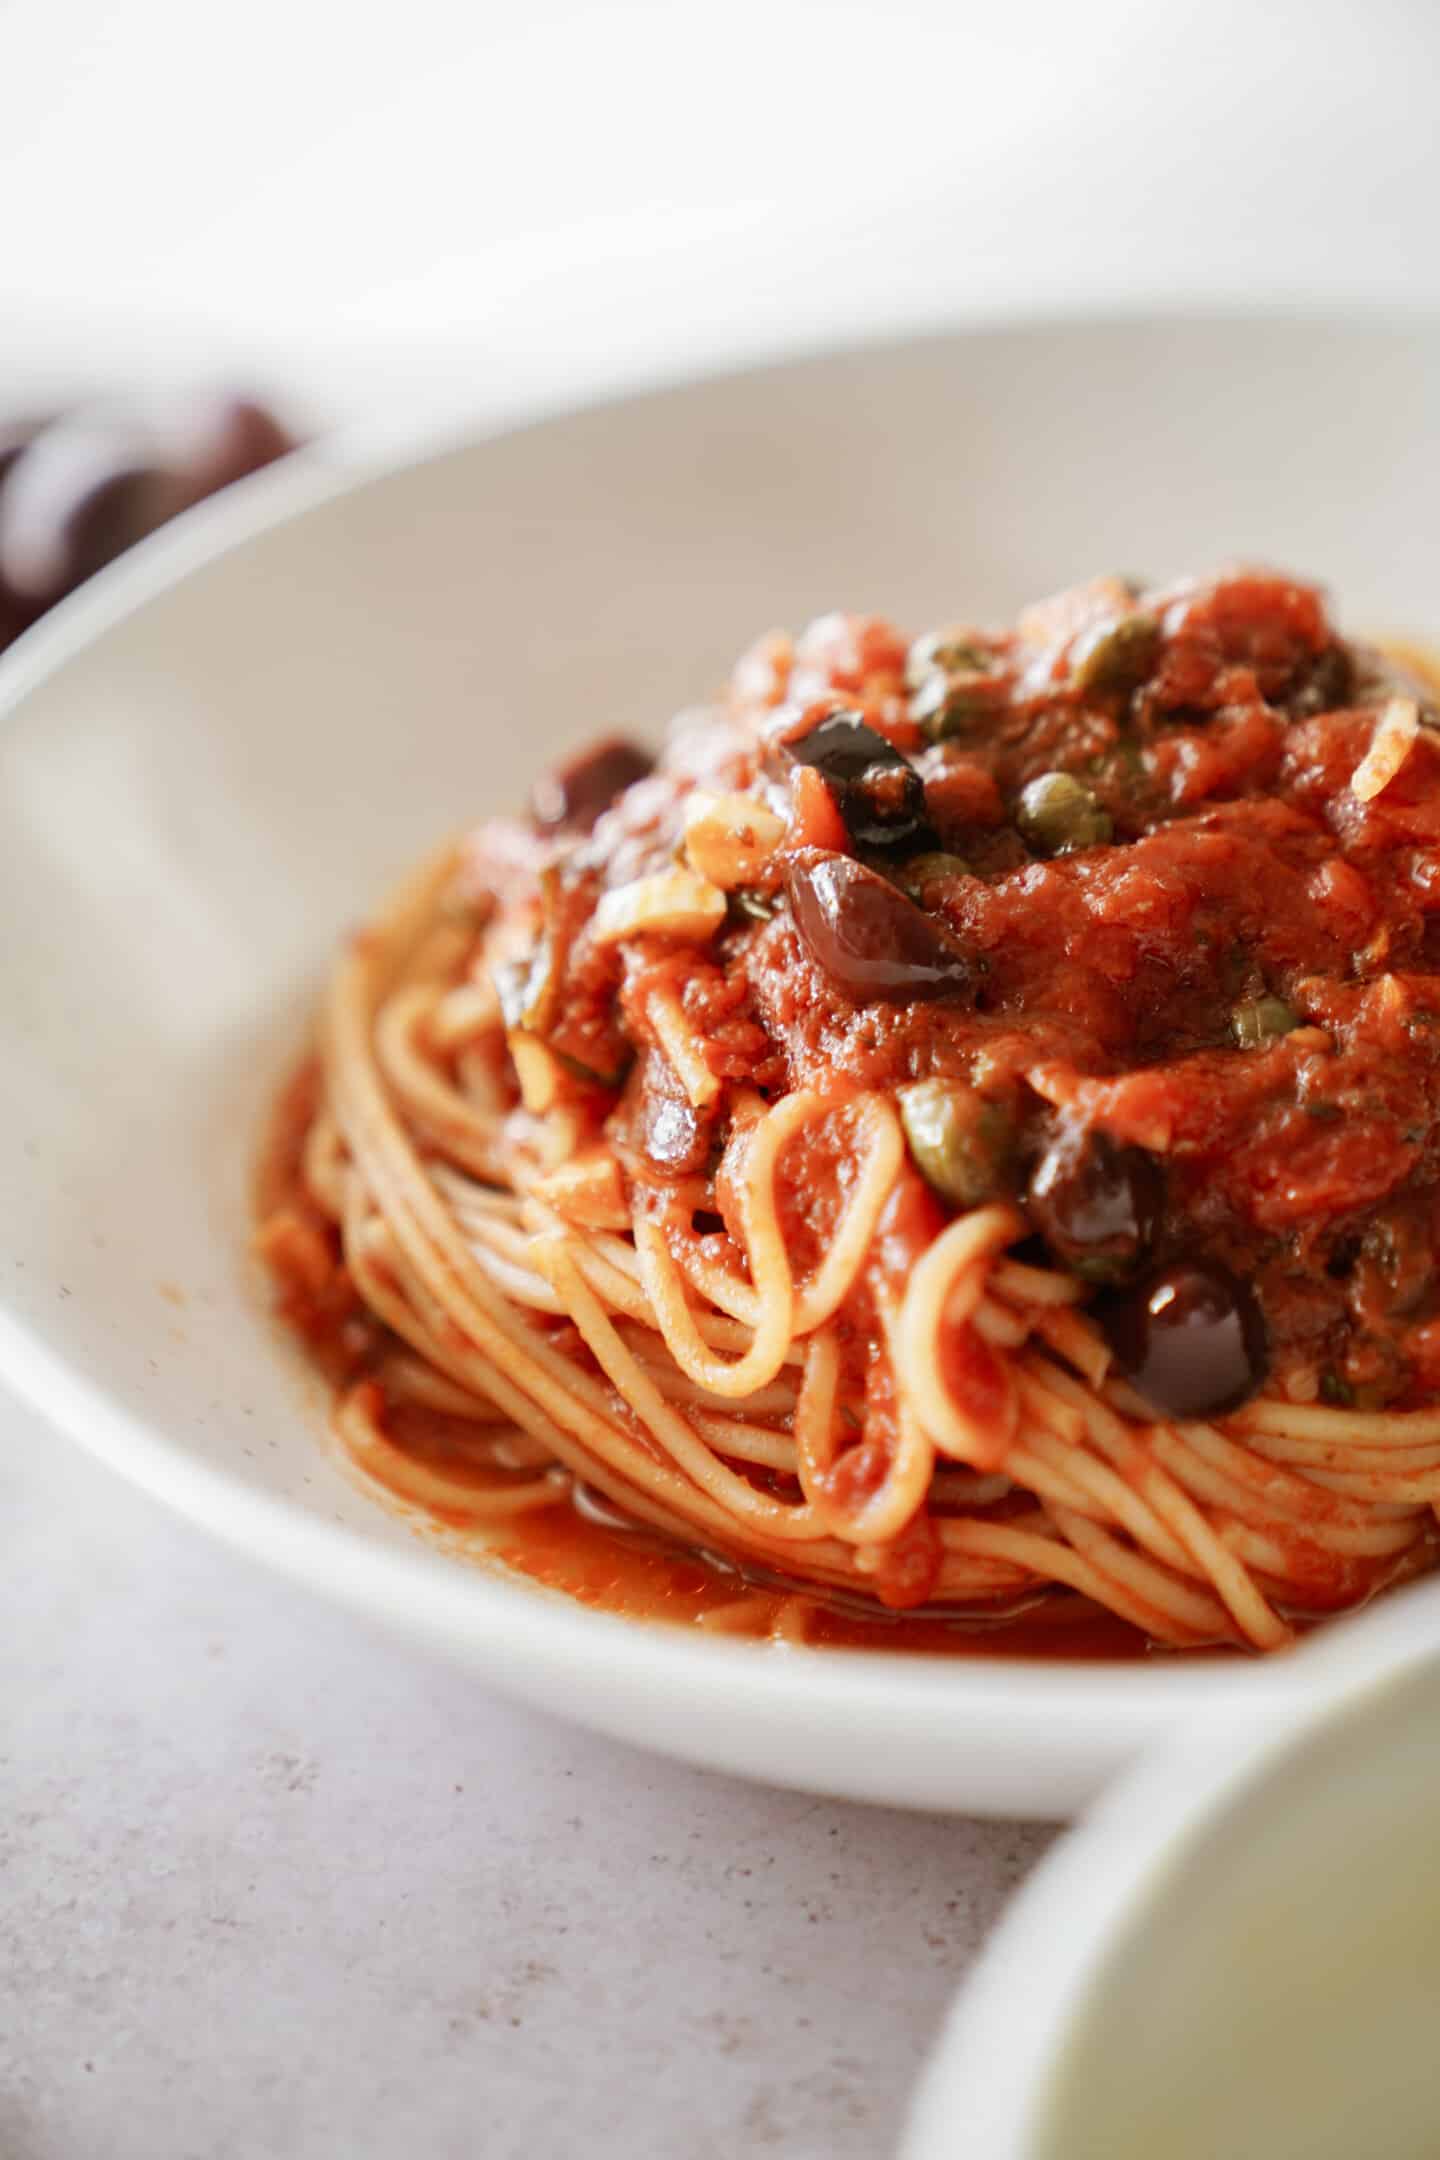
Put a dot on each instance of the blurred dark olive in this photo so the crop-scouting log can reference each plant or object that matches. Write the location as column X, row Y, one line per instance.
column 1095, row 1203
column 1191, row 1339
column 16, row 435
column 571, row 796
column 12, row 620
column 78, row 488
column 1326, row 683
column 218, row 438
column 75, row 497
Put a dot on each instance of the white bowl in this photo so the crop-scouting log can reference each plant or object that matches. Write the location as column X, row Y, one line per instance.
column 1239, row 1953
column 215, row 759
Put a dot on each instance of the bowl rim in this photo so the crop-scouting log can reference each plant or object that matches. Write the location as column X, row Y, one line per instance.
column 414, row 1589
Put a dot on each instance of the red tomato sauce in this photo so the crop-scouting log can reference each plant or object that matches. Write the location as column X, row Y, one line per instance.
column 1241, row 883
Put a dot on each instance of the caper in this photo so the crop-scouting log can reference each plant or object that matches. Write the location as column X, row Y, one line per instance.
column 1115, row 655
column 1058, row 815
column 936, row 868
column 1261, row 1020
column 960, row 1142
column 947, row 705
column 943, row 652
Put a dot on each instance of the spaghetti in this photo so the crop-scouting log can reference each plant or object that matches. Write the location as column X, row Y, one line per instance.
column 961, row 1132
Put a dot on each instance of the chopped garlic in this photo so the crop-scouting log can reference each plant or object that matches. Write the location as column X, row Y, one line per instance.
column 729, row 838
column 672, row 904
column 587, row 1191
column 536, row 1069
column 1390, row 745
column 683, row 1047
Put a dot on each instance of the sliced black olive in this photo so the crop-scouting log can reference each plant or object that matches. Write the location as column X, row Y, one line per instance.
column 572, row 796
column 868, row 937
column 877, row 791
column 844, row 748
column 1191, row 1340
column 1095, row 1203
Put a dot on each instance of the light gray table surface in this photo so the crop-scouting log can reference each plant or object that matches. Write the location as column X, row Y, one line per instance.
column 273, row 1887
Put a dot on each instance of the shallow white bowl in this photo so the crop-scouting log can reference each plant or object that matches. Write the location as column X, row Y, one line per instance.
column 215, row 758
column 1239, row 1952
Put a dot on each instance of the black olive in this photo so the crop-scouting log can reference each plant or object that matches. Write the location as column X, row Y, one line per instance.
column 867, row 936
column 1324, row 685
column 877, row 791
column 1095, row 1203
column 573, row 795
column 16, row 435
column 222, row 438
column 76, row 497
column 84, row 485
column 1190, row 1339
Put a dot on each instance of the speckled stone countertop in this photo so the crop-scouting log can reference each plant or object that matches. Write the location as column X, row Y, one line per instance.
column 275, row 1888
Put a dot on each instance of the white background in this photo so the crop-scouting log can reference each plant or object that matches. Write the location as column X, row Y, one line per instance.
column 270, row 1887
column 454, row 198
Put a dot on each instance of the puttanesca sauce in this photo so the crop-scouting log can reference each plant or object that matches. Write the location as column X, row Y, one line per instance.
column 1107, row 877
column 1134, row 907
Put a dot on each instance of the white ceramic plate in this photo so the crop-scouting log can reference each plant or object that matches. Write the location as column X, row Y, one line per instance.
column 1239, row 1953
column 214, row 760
